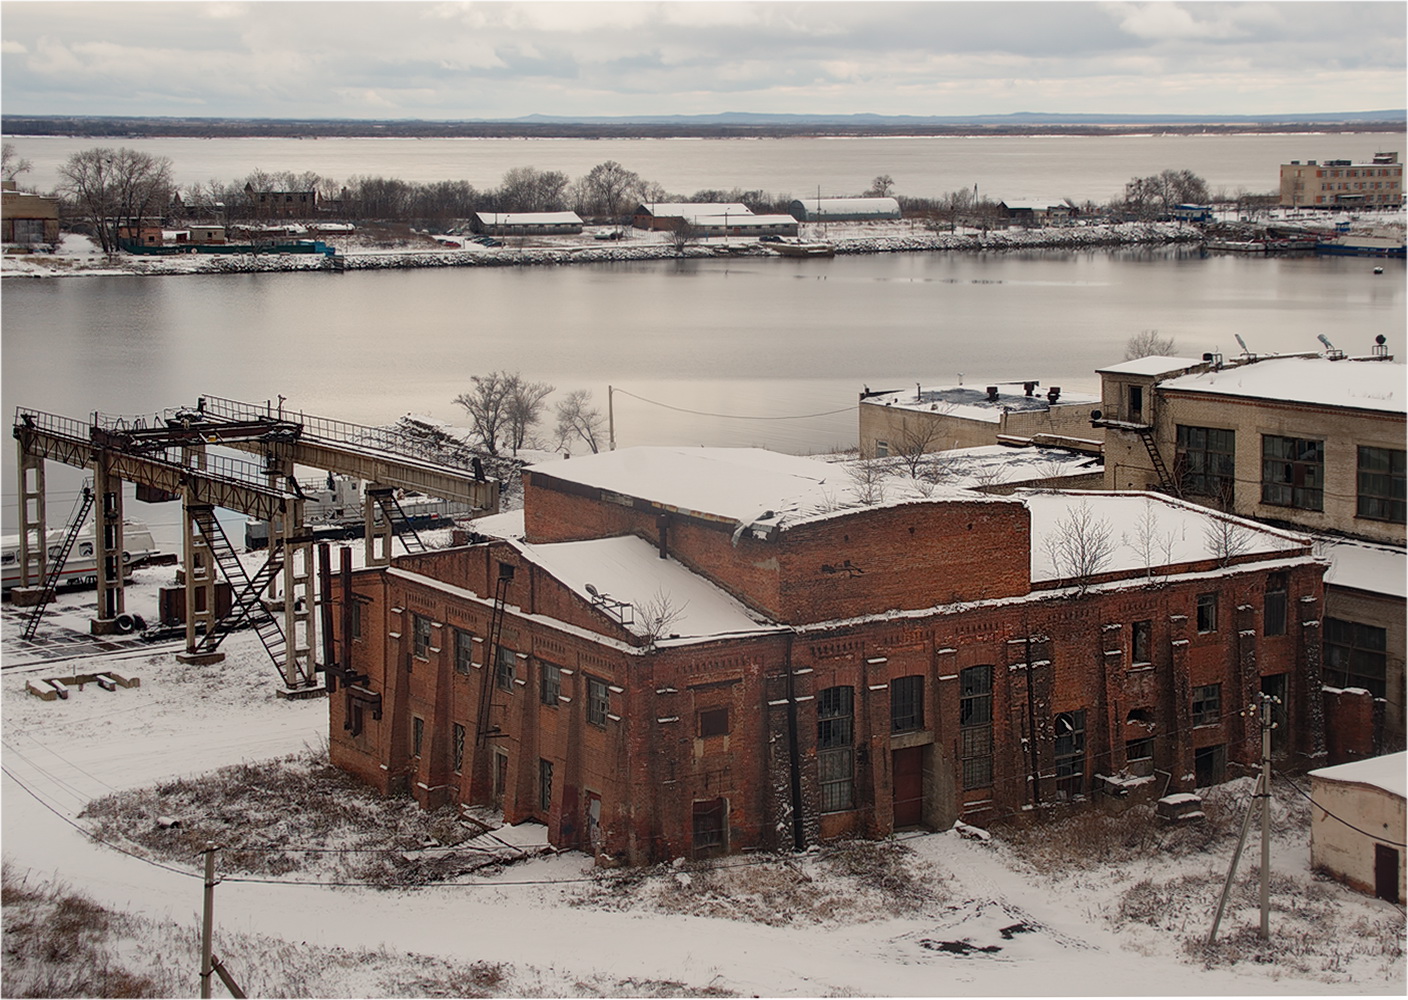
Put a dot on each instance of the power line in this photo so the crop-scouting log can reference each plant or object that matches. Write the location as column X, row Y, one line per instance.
column 733, row 416
column 1317, row 805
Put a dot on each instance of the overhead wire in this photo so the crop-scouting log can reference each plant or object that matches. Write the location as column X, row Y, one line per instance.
column 733, row 416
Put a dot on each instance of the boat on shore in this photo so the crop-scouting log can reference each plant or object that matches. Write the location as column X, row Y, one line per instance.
column 81, row 567
column 1236, row 246
column 800, row 249
column 1375, row 244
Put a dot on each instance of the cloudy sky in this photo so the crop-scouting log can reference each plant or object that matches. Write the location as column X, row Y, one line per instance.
column 502, row 60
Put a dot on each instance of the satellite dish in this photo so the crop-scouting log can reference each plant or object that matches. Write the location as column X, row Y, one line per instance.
column 592, row 590
column 1325, row 340
column 1242, row 343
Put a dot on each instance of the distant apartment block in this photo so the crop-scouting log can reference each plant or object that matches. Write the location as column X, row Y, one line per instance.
column 1342, row 183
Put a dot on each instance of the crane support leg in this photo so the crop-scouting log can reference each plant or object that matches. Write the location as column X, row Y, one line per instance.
column 198, row 563
column 34, row 529
column 107, row 544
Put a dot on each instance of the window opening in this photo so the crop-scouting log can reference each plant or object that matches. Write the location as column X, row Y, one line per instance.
column 907, row 704
column 550, row 683
column 1381, row 484
column 1143, row 643
column 1206, row 459
column 598, row 701
column 504, row 668
column 457, row 747
column 834, row 739
column 713, row 722
column 1273, row 619
column 1356, row 656
column 1070, row 754
column 464, row 651
column 1292, row 472
column 1207, row 612
column 975, row 725
column 1207, row 704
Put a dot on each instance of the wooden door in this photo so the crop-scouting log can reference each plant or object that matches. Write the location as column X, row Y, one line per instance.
column 1386, row 872
column 908, row 775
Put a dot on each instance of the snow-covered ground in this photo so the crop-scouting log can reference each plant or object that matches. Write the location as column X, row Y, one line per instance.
column 988, row 916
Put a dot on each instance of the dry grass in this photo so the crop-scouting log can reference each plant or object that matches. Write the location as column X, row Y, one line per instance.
column 284, row 816
column 850, row 881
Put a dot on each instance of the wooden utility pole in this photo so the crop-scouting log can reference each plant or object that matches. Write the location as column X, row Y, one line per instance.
column 610, row 420
column 208, row 923
column 1263, row 792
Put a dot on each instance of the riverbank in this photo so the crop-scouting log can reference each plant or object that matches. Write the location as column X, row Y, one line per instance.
column 77, row 256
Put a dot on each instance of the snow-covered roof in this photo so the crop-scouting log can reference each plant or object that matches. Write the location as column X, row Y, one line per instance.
column 692, row 209
column 745, row 221
column 1154, row 364
column 1386, row 772
column 1144, row 528
column 999, row 464
column 972, row 403
column 1362, row 385
column 1378, row 569
column 629, row 569
column 528, row 218
column 507, row 524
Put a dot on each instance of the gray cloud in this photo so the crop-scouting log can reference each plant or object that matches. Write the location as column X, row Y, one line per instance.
column 465, row 60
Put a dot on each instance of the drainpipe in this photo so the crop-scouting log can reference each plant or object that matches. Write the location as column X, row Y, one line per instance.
column 794, row 756
column 1031, row 728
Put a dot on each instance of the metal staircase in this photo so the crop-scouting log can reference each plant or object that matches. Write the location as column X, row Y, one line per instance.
column 1166, row 480
column 391, row 509
column 81, row 509
column 246, row 604
column 491, row 654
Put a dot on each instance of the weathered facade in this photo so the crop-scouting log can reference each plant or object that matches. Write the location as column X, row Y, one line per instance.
column 1357, row 833
column 1343, row 183
column 696, row 651
column 28, row 218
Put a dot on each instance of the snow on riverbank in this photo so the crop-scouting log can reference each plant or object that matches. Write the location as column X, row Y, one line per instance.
column 76, row 255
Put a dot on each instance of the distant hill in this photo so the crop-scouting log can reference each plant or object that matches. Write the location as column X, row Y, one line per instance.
column 716, row 125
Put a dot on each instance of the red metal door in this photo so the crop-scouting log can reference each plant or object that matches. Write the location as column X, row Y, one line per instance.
column 908, row 772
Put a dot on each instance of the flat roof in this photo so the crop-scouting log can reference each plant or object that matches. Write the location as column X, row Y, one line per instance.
column 1154, row 364
column 1349, row 384
column 971, row 402
column 1386, row 772
column 1377, row 569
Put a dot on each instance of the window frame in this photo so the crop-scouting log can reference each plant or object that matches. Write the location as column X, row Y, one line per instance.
column 1349, row 648
column 1387, row 501
column 975, row 715
column 706, row 722
column 420, row 636
column 1207, row 601
column 1205, row 467
column 1069, row 763
column 907, row 704
column 457, row 734
column 544, row 785
column 1275, row 607
column 505, row 668
column 835, row 748
column 1292, row 472
column 1141, row 634
column 356, row 606
column 598, row 701
column 464, row 651
column 709, row 827
column 417, row 736
column 1206, row 706
column 549, row 683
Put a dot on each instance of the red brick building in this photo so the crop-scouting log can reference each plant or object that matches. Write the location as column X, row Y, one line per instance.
column 696, row 651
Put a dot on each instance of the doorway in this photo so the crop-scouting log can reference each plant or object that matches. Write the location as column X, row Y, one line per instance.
column 1386, row 872
column 907, row 769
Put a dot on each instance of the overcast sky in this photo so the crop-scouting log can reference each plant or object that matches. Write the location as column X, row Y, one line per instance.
column 502, row 60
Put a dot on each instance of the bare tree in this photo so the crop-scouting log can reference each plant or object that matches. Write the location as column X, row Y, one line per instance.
column 1080, row 545
column 1226, row 539
column 577, row 419
column 682, row 236
column 914, row 443
column 13, row 164
column 1148, row 343
column 606, row 188
column 526, row 189
column 882, row 187
column 868, row 477
column 113, row 188
column 525, row 404
column 487, row 405
column 657, row 614
column 1154, row 548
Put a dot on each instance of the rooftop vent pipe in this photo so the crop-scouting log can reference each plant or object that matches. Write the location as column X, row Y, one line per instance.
column 992, row 394
column 1029, row 387
column 1053, row 394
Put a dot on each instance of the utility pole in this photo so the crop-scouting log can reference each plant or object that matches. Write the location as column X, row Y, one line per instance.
column 610, row 420
column 207, row 925
column 1263, row 792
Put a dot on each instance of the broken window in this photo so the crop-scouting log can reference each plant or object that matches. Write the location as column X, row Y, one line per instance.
column 1206, row 461
column 1139, row 756
column 1143, row 651
column 1069, row 752
column 545, row 786
column 457, row 747
column 1273, row 618
column 1356, row 656
column 598, row 701
column 417, row 735
column 420, row 635
column 1207, row 612
column 1207, row 704
column 1381, row 484
column 710, row 829
column 834, row 739
column 500, row 777
column 975, row 725
column 356, row 619
column 1209, row 765
column 549, row 683
column 907, row 704
column 1292, row 472
column 504, row 668
column 464, row 651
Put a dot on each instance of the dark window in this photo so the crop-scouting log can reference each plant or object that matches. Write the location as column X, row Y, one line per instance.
column 709, row 828
column 545, row 785
column 598, row 701
column 975, row 725
column 1356, row 656
column 457, row 747
column 1207, row 704
column 417, row 735
column 464, row 651
column 1069, row 752
column 500, row 776
column 550, row 683
column 907, row 704
column 356, row 619
column 504, row 668
column 1206, row 459
column 1207, row 612
column 1273, row 620
column 1292, row 472
column 1143, row 642
column 834, row 739
column 1381, row 484
column 420, row 635
column 713, row 722
column 1136, row 401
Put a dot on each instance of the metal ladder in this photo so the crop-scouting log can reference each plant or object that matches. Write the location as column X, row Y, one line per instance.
column 246, row 603
column 81, row 508
column 400, row 523
column 1146, row 434
column 491, row 654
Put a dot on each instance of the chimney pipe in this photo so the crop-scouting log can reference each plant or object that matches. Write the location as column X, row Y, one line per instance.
column 1054, row 393
column 992, row 394
column 1029, row 387
column 662, row 525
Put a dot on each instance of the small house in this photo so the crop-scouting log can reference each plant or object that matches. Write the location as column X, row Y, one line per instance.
column 527, row 223
column 28, row 218
column 1357, row 824
column 844, row 209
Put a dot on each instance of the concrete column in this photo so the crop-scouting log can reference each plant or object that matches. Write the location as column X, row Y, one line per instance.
column 378, row 535
column 107, row 544
column 286, row 531
column 34, row 548
column 198, row 568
